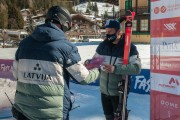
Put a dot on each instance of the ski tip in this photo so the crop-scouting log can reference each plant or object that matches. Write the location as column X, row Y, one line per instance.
column 133, row 14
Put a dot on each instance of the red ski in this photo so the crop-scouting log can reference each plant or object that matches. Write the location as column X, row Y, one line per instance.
column 121, row 113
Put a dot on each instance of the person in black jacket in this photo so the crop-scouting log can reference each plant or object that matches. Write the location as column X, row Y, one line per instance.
column 112, row 70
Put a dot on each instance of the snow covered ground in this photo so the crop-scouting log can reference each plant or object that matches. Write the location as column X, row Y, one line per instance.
column 87, row 97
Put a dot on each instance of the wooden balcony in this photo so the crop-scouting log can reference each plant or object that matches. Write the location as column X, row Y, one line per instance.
column 140, row 10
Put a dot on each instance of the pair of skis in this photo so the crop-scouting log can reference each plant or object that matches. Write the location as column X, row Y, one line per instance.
column 122, row 113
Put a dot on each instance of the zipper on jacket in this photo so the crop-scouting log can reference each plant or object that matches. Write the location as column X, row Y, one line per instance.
column 108, row 73
column 108, row 81
column 110, row 64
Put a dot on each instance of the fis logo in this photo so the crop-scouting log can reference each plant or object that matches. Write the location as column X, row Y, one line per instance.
column 170, row 26
column 5, row 68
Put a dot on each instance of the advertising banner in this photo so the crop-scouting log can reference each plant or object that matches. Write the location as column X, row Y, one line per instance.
column 6, row 67
column 165, row 60
column 139, row 83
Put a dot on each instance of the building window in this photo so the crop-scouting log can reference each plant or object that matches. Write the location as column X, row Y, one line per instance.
column 134, row 25
column 128, row 4
column 144, row 25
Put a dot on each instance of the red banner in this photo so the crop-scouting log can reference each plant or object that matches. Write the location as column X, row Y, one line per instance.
column 165, row 60
column 169, row 27
column 164, row 106
column 165, row 64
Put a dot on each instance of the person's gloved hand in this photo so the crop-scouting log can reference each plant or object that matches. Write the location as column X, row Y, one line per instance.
column 108, row 68
column 86, row 62
column 123, row 18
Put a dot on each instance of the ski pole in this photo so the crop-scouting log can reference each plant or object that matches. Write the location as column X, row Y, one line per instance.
column 8, row 98
column 75, row 107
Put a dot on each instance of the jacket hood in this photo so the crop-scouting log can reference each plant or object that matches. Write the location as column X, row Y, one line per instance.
column 48, row 32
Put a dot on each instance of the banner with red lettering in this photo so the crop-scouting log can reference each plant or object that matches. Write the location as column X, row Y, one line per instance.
column 165, row 60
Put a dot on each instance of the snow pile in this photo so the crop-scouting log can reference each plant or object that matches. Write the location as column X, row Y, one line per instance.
column 8, row 87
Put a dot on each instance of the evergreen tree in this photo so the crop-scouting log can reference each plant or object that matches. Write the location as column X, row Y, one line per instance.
column 33, row 11
column 92, row 6
column 3, row 2
column 115, row 2
column 89, row 6
column 30, row 3
column 105, row 15
column 70, row 7
column 21, row 4
column 30, row 28
column 96, row 9
column 107, row 5
column 113, row 10
column 26, row 4
column 4, row 17
column 88, row 11
column 77, row 10
column 15, row 18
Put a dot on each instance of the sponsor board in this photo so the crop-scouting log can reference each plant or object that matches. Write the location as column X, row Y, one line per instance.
column 164, row 106
column 169, row 27
column 139, row 83
column 165, row 55
column 165, row 83
column 165, row 60
column 6, row 69
column 165, row 46
column 161, row 9
column 165, row 64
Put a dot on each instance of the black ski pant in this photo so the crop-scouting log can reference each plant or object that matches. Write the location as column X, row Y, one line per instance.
column 109, row 104
column 18, row 115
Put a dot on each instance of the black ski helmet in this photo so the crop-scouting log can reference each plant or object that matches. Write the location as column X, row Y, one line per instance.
column 60, row 15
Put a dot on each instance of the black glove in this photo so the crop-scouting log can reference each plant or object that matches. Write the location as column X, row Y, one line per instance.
column 123, row 18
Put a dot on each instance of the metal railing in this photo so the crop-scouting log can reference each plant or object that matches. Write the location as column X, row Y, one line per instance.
column 140, row 10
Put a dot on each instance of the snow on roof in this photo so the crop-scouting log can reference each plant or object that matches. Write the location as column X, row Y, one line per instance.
column 25, row 10
column 92, row 17
column 16, row 32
